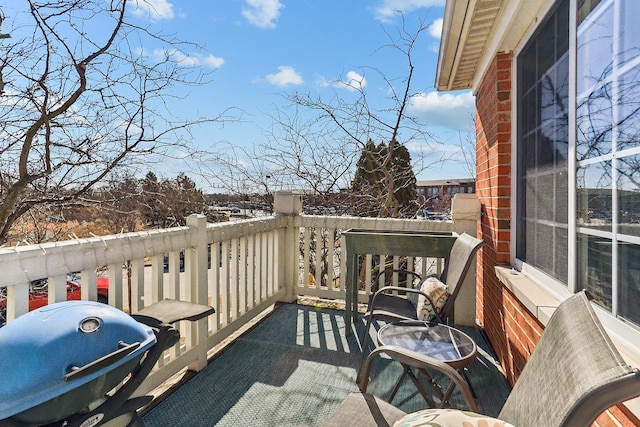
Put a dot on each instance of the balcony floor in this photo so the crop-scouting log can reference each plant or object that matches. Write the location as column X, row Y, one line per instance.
column 294, row 368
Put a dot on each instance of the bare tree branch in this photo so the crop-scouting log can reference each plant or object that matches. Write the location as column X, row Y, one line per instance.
column 83, row 100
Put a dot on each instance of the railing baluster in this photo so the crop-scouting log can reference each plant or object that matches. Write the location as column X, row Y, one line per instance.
column 234, row 281
column 224, row 282
column 251, row 271
column 242, row 275
column 89, row 292
column 137, row 285
column 306, row 259
column 116, row 289
column 17, row 300
column 214, row 286
column 330, row 256
column 319, row 253
column 157, row 278
column 57, row 288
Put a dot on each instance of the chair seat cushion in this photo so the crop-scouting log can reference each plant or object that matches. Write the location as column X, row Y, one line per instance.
column 448, row 417
column 437, row 292
column 394, row 308
column 363, row 410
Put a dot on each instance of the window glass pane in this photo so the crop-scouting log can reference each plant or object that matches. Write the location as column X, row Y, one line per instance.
column 593, row 123
column 545, row 186
column 561, row 264
column 594, row 268
column 595, row 48
column 562, row 85
column 529, row 110
column 628, row 109
column 561, row 189
column 546, row 47
column 545, row 248
column 593, row 191
column 542, row 146
column 585, row 7
column 630, row 31
column 629, row 274
column 550, row 250
column 628, row 184
column 528, row 65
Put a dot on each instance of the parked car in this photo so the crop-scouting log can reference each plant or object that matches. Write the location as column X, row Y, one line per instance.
column 39, row 295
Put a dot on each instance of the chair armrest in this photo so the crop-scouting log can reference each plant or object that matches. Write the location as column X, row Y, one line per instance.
column 417, row 360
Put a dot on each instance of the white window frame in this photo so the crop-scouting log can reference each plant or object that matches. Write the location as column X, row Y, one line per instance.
column 620, row 330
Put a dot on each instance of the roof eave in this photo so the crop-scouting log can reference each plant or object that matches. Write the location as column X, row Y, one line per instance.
column 474, row 31
column 454, row 14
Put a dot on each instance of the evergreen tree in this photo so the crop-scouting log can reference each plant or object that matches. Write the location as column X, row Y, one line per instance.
column 384, row 183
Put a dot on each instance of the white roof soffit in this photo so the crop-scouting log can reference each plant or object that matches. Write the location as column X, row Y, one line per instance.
column 474, row 31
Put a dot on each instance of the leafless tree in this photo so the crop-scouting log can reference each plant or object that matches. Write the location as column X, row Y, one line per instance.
column 82, row 99
column 467, row 145
column 315, row 142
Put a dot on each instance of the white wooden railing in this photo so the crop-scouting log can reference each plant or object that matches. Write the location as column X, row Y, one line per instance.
column 240, row 268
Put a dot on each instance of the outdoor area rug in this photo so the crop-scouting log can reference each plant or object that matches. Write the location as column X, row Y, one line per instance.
column 294, row 369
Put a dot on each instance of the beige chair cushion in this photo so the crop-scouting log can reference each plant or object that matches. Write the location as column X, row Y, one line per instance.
column 437, row 291
column 448, row 417
column 363, row 410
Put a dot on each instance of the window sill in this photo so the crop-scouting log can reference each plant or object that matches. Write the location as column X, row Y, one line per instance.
column 534, row 297
column 542, row 303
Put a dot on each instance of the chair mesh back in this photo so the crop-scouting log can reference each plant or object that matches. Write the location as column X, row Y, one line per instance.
column 460, row 260
column 573, row 358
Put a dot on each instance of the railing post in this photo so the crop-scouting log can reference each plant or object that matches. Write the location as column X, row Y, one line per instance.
column 198, row 285
column 287, row 204
column 465, row 212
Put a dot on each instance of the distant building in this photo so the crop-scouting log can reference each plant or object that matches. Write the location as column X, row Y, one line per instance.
column 441, row 187
column 435, row 195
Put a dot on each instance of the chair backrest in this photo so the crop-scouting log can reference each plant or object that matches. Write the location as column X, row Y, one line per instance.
column 574, row 373
column 460, row 260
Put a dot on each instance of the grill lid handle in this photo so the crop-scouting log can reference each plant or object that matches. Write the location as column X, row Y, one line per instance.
column 75, row 372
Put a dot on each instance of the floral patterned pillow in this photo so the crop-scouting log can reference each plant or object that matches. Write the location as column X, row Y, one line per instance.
column 437, row 291
column 448, row 417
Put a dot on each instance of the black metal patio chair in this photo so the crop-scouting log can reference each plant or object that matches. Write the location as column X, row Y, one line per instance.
column 574, row 374
column 395, row 303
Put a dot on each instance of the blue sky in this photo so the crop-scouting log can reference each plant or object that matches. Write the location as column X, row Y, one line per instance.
column 256, row 51
column 260, row 49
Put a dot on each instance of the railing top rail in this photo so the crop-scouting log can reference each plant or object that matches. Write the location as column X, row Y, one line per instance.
column 395, row 224
column 23, row 264
column 230, row 230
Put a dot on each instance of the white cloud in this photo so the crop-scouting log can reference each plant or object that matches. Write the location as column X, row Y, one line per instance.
column 154, row 10
column 452, row 111
column 285, row 76
column 185, row 60
column 435, row 29
column 213, row 61
column 354, row 81
column 386, row 10
column 321, row 82
column 262, row 13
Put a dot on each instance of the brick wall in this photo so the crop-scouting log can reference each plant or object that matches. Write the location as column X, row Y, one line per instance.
column 511, row 329
column 507, row 326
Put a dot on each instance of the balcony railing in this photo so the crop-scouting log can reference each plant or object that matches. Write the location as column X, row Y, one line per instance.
column 240, row 268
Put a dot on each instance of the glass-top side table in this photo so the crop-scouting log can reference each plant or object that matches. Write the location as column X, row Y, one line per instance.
column 435, row 341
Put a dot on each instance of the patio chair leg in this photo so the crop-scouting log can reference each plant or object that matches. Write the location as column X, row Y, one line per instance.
column 363, row 346
column 466, row 377
column 423, row 391
column 365, row 337
column 397, row 386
